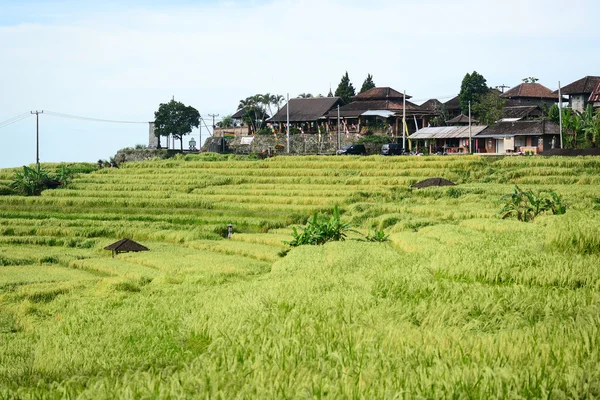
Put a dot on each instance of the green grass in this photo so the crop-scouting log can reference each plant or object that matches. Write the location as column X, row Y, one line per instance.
column 458, row 304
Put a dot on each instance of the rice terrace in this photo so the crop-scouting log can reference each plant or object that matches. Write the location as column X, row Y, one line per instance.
column 432, row 294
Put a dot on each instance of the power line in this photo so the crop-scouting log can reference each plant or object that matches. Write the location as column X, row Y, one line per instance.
column 15, row 119
column 77, row 117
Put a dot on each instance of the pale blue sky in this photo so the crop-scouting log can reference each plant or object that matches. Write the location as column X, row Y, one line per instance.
column 120, row 59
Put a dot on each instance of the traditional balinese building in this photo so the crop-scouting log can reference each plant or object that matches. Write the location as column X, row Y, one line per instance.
column 307, row 114
column 518, row 137
column 462, row 120
column 446, row 139
column 452, row 107
column 518, row 113
column 530, row 94
column 594, row 99
column 379, row 110
column 579, row 92
column 432, row 105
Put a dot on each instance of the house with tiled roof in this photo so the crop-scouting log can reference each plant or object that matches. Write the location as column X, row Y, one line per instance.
column 380, row 110
column 594, row 99
column 530, row 94
column 579, row 92
column 307, row 114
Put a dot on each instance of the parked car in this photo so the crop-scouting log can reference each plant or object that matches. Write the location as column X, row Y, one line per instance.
column 392, row 149
column 353, row 149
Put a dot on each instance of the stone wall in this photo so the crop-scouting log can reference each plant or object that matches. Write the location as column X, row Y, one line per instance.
column 299, row 145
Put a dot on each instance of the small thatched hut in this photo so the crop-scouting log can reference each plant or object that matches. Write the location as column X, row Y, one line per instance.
column 125, row 246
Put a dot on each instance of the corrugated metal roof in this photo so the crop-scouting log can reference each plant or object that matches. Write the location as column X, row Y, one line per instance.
column 379, row 113
column 447, row 132
column 595, row 96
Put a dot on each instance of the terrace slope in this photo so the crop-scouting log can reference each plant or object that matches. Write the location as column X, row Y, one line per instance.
column 457, row 304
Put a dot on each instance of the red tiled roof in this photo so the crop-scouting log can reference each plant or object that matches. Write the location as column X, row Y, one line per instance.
column 356, row 108
column 531, row 90
column 380, row 93
column 583, row 85
column 595, row 96
column 311, row 109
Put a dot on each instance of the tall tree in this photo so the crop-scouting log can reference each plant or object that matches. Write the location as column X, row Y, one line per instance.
column 367, row 84
column 305, row 96
column 345, row 90
column 255, row 108
column 175, row 118
column 489, row 108
column 472, row 88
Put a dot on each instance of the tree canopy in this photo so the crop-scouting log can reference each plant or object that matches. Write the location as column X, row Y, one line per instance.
column 175, row 118
column 345, row 90
column 472, row 88
column 489, row 108
column 258, row 108
column 367, row 84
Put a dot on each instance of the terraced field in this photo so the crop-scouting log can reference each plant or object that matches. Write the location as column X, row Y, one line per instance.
column 458, row 304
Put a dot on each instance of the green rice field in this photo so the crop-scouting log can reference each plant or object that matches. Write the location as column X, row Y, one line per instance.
column 458, row 304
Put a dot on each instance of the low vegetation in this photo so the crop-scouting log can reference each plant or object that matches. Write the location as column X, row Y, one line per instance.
column 457, row 303
column 525, row 205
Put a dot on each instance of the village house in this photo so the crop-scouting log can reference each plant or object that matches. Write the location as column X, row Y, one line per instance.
column 594, row 99
column 519, row 137
column 379, row 110
column 530, row 94
column 447, row 139
column 580, row 91
column 307, row 114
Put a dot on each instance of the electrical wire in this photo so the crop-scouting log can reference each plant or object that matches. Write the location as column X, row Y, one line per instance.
column 80, row 118
column 15, row 119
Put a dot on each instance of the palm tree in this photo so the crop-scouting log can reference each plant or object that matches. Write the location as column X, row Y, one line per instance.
column 591, row 125
column 305, row 96
column 276, row 100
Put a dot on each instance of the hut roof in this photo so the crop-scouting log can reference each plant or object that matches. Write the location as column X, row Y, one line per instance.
column 312, row 109
column 433, row 182
column 357, row 108
column 431, row 105
column 447, row 132
column 380, row 93
column 522, row 112
column 126, row 245
column 521, row 128
column 595, row 96
column 239, row 114
column 462, row 119
column 452, row 104
column 584, row 85
column 530, row 90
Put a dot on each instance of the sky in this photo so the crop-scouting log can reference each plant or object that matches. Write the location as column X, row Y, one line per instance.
column 118, row 60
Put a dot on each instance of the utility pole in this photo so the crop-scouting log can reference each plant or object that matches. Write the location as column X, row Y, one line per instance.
column 404, row 122
column 213, row 131
column 503, row 86
column 470, row 136
column 287, row 131
column 37, row 137
column 339, row 146
column 200, row 135
column 560, row 115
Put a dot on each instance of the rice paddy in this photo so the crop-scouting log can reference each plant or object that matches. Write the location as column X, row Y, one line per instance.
column 458, row 304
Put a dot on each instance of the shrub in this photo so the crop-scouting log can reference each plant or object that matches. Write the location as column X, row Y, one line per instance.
column 377, row 236
column 526, row 205
column 321, row 230
column 32, row 181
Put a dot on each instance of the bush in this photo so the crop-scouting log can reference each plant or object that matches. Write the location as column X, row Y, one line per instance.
column 321, row 230
column 377, row 236
column 526, row 205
